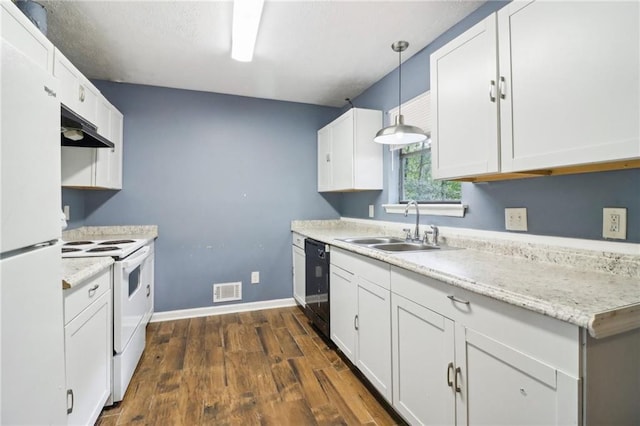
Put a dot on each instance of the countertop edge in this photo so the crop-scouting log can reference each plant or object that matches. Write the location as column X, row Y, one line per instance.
column 610, row 323
column 86, row 268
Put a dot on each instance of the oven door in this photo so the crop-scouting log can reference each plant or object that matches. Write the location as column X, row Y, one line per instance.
column 130, row 296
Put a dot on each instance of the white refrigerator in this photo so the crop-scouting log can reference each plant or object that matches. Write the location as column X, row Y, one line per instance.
column 32, row 372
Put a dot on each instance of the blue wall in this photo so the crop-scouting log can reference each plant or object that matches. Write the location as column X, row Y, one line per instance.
column 565, row 206
column 222, row 176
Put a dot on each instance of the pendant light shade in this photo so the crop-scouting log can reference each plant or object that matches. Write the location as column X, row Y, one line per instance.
column 400, row 133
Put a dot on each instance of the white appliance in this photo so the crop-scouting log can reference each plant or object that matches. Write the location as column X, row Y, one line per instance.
column 133, row 278
column 32, row 371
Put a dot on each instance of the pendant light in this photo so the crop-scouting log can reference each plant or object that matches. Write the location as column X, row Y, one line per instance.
column 400, row 133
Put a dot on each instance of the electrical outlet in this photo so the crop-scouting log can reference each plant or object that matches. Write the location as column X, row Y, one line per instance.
column 371, row 210
column 255, row 277
column 614, row 223
column 515, row 219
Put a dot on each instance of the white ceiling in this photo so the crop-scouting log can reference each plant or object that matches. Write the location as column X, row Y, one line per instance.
column 318, row 52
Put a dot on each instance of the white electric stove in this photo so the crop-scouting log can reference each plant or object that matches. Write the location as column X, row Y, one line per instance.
column 133, row 287
column 119, row 249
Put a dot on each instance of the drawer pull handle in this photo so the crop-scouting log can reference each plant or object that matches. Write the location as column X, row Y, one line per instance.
column 492, row 91
column 455, row 299
column 503, row 90
column 81, row 96
column 69, row 394
column 457, row 384
column 93, row 289
column 356, row 323
column 449, row 370
column 148, row 290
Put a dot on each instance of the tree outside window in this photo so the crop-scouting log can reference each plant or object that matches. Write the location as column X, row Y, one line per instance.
column 415, row 178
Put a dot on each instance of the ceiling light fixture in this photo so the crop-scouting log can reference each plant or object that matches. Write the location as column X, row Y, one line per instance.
column 246, row 20
column 400, row 133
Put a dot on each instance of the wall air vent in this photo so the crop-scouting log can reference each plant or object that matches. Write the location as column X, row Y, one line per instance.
column 226, row 292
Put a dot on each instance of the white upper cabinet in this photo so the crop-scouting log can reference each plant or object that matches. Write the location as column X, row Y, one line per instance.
column 99, row 168
column 464, row 106
column 508, row 97
column 76, row 92
column 348, row 159
column 572, row 92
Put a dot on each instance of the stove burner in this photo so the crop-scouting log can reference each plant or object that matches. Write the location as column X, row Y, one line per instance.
column 98, row 249
column 78, row 243
column 69, row 250
column 110, row 242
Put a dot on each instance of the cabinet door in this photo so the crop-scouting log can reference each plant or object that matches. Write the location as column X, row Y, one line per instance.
column 464, row 104
column 342, row 139
column 29, row 153
column 108, row 164
column 373, row 324
column 501, row 386
column 571, row 89
column 325, row 180
column 20, row 32
column 423, row 347
column 298, row 275
column 343, row 308
column 76, row 92
column 88, row 352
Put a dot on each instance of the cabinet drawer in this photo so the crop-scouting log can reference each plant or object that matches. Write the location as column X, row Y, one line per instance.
column 78, row 299
column 371, row 270
column 548, row 339
column 298, row 240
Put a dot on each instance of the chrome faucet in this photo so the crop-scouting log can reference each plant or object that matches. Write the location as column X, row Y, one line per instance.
column 416, row 233
column 435, row 232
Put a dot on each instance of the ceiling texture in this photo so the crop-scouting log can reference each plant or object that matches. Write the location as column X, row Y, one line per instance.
column 317, row 52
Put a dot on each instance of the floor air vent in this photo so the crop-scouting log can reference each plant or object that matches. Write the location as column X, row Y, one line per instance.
column 226, row 292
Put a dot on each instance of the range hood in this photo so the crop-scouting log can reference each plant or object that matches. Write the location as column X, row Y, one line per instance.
column 76, row 131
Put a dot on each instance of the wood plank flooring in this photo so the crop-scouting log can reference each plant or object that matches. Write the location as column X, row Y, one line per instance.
column 255, row 368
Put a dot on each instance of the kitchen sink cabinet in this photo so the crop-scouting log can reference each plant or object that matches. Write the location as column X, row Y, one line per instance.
column 88, row 348
column 360, row 321
column 528, row 104
column 348, row 159
column 298, row 269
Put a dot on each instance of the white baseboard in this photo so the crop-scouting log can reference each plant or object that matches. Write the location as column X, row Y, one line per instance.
column 219, row 310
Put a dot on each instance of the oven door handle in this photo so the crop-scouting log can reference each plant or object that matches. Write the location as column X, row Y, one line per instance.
column 132, row 262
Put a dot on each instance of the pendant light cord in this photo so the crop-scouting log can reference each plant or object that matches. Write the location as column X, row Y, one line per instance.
column 399, row 82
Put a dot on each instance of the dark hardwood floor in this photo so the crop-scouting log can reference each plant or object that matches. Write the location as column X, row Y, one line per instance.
column 255, row 368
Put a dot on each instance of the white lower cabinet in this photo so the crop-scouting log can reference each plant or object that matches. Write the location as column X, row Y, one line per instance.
column 423, row 347
column 88, row 348
column 460, row 358
column 299, row 268
column 359, row 311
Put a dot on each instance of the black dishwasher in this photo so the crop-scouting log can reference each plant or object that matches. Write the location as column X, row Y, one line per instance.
column 317, row 284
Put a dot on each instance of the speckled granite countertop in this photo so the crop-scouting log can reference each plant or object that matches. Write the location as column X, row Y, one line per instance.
column 77, row 270
column 566, row 283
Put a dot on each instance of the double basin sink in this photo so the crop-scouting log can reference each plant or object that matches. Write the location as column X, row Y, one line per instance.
column 390, row 244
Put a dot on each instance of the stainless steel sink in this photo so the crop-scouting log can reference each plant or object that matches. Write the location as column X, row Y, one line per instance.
column 404, row 246
column 373, row 240
column 390, row 244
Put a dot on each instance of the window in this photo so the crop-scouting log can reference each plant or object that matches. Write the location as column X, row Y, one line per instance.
column 414, row 172
column 415, row 178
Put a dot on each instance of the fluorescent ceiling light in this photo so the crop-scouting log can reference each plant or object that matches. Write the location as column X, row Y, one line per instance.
column 246, row 20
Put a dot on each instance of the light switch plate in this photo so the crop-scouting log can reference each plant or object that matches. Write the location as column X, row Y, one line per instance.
column 515, row 219
column 614, row 223
column 255, row 277
column 371, row 210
